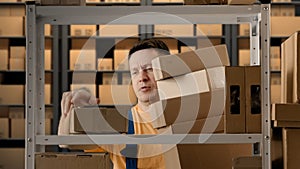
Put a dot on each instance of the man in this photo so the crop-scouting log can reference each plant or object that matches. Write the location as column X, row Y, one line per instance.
column 145, row 88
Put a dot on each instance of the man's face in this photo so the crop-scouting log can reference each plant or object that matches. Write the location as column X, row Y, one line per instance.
column 142, row 76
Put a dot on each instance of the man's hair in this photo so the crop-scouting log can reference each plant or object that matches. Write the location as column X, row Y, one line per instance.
column 150, row 44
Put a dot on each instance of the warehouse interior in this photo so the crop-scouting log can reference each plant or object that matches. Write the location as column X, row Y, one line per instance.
column 256, row 76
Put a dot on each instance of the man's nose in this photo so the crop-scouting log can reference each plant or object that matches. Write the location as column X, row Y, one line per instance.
column 143, row 76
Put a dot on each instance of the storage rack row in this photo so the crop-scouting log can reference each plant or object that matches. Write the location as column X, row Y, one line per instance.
column 36, row 140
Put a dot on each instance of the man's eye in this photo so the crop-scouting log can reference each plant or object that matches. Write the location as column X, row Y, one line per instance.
column 133, row 72
column 150, row 69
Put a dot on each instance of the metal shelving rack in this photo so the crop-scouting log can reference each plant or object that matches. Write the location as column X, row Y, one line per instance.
column 36, row 140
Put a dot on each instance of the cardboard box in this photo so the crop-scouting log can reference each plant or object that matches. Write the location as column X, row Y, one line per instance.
column 287, row 10
column 275, row 10
column 244, row 29
column 4, row 111
column 240, row 2
column 47, row 126
column 118, row 30
column 126, row 78
column 4, row 10
column 121, row 59
column 16, row 112
column 117, row 95
column 253, row 99
column 12, row 158
column 188, row 98
column 183, row 63
column 11, row 94
column 290, row 70
column 195, row 156
column 187, row 48
column 235, row 100
column 72, row 161
column 17, row 51
column 90, row 87
column 174, row 30
column 276, row 148
column 17, row 128
column 17, row 64
column 4, row 128
column 73, row 2
column 3, row 59
column 275, row 64
column 250, row 162
column 48, row 59
column 290, row 124
column 291, row 143
column 83, row 30
column 209, row 29
column 82, row 59
column 275, row 52
column 47, row 94
column 12, row 26
column 244, row 57
column 275, row 93
column 47, row 30
column 286, row 112
column 109, row 79
column 95, row 120
column 284, row 26
column 105, row 64
column 16, row 10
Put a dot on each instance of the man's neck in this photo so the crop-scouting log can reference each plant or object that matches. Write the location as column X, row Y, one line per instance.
column 143, row 106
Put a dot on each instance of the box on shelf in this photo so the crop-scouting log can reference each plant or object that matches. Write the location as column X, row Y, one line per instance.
column 275, row 10
column 12, row 94
column 47, row 30
column 16, row 63
column 183, row 63
column 275, row 88
column 126, row 79
column 62, row 2
column 48, row 59
column 82, row 59
column 284, row 26
column 117, row 95
column 286, row 112
column 16, row 112
column 118, row 30
column 3, row 59
column 244, row 57
column 92, row 120
column 287, row 10
column 275, row 64
column 47, row 94
column 83, row 30
column 90, row 87
column 52, row 160
column 105, row 64
column 235, row 100
column 17, row 10
column 291, row 143
column 240, row 2
column 244, row 29
column 290, row 70
column 4, row 128
column 121, row 59
column 253, row 99
column 17, row 128
column 109, row 79
column 4, row 10
column 17, row 51
column 12, row 158
column 4, row 111
column 174, row 30
column 249, row 162
column 209, row 29
column 275, row 52
column 12, row 26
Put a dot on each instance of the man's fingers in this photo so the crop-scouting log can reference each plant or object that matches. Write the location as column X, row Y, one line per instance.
column 66, row 102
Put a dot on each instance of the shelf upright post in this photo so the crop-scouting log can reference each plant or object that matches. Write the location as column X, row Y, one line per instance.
column 35, row 78
column 265, row 78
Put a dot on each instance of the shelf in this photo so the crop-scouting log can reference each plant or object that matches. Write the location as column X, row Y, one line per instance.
column 21, row 105
column 12, row 3
column 275, row 71
column 149, row 139
column 12, row 143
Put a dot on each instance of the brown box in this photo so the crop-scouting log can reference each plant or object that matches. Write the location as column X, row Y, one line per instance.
column 16, row 113
column 174, row 30
column 12, row 158
column 117, row 95
column 16, row 63
column 290, row 70
column 235, row 100
column 209, row 29
column 121, row 59
column 4, row 111
column 72, row 161
column 183, row 63
column 82, row 59
column 83, row 30
column 253, row 99
column 17, row 10
column 105, row 64
column 287, row 10
column 240, row 2
column 118, row 30
column 244, row 29
column 47, row 30
column 47, row 94
column 109, row 79
column 73, row 2
column 284, row 26
column 275, row 10
column 4, row 129
column 286, row 112
column 187, row 98
column 99, row 120
column 48, row 59
column 12, row 26
column 17, row 128
column 250, row 162
column 244, row 57
column 4, row 10
column 3, row 59
column 126, row 78
column 291, row 143
column 90, row 87
column 17, row 52
column 11, row 94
